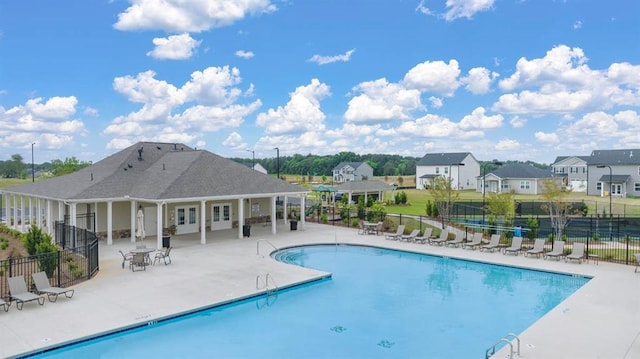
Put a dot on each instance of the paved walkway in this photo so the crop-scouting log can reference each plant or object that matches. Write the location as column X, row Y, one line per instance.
column 598, row 321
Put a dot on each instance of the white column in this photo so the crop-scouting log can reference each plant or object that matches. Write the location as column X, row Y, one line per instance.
column 39, row 212
column 159, row 225
column 285, row 215
column 240, row 216
column 133, row 221
column 72, row 213
column 21, row 213
column 31, row 212
column 273, row 215
column 302, row 211
column 109, row 223
column 48, row 218
column 203, row 223
column 7, row 213
column 95, row 214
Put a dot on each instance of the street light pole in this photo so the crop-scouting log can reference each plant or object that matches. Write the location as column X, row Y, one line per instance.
column 253, row 159
column 33, row 167
column 277, row 161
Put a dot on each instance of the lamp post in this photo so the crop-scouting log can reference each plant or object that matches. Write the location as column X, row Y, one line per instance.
column 277, row 161
column 610, row 194
column 484, row 187
column 457, row 165
column 33, row 168
column 253, row 159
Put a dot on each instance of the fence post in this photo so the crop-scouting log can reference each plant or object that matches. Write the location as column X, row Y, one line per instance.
column 10, row 266
column 626, row 255
column 59, row 268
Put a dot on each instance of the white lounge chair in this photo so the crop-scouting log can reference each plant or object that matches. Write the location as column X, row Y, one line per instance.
column 425, row 237
column 494, row 243
column 397, row 235
column 411, row 236
column 444, row 237
column 43, row 286
column 516, row 246
column 456, row 241
column 538, row 248
column 5, row 305
column 163, row 255
column 20, row 293
column 557, row 252
column 577, row 253
column 475, row 242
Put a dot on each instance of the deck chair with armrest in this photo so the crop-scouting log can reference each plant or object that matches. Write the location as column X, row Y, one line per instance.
column 425, row 237
column 361, row 229
column 475, row 242
column 139, row 260
column 163, row 255
column 557, row 252
column 516, row 246
column 577, row 253
column 43, row 286
column 494, row 243
column 444, row 237
column 5, row 305
column 19, row 292
column 126, row 258
column 411, row 236
column 397, row 235
column 538, row 248
column 456, row 241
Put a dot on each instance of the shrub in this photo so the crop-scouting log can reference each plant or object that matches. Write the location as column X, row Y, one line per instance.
column 48, row 257
column 355, row 222
column 33, row 237
column 323, row 218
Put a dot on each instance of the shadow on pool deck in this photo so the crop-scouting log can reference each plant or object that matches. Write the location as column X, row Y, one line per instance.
column 598, row 321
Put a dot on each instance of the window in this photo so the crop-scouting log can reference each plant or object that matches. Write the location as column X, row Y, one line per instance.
column 505, row 186
column 636, row 186
column 446, row 170
column 437, row 170
column 525, row 184
column 599, row 186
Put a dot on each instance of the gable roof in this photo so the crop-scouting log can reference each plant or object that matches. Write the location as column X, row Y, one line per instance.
column 161, row 171
column 520, row 170
column 353, row 165
column 363, row 186
column 562, row 158
column 614, row 157
column 434, row 159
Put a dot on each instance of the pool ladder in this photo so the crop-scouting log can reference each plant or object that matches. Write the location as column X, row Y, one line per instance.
column 506, row 339
column 265, row 283
column 258, row 246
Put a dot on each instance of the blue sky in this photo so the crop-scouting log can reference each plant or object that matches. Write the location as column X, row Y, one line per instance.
column 502, row 79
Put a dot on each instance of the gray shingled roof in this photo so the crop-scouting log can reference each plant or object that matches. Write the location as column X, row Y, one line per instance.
column 521, row 170
column 363, row 186
column 164, row 171
column 614, row 178
column 562, row 158
column 354, row 165
column 436, row 159
column 614, row 157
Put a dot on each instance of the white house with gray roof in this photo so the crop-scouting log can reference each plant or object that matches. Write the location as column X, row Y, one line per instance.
column 517, row 177
column 193, row 190
column 614, row 172
column 352, row 171
column 461, row 167
column 572, row 170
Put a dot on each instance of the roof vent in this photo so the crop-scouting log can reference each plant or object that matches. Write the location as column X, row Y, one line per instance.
column 140, row 153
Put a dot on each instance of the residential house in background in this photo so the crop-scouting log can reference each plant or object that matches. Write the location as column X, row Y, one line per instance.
column 572, row 170
column 352, row 171
column 517, row 177
column 614, row 172
column 258, row 167
column 461, row 167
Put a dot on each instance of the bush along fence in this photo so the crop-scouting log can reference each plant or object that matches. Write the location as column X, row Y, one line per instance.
column 64, row 267
column 614, row 239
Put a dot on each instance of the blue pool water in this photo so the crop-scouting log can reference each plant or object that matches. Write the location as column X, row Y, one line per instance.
column 379, row 304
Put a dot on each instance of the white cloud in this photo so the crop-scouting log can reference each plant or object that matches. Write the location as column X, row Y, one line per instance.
column 517, row 122
column 323, row 60
column 577, row 25
column 546, row 137
column 479, row 120
column 175, row 47
column 245, row 54
column 507, row 145
column 421, row 8
column 54, row 108
column 213, row 86
column 436, row 102
column 177, row 16
column 382, row 101
column 429, row 126
column 479, row 80
column 466, row 8
column 436, row 77
column 301, row 113
column 234, row 140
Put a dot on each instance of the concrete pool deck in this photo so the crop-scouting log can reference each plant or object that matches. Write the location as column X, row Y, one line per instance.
column 600, row 320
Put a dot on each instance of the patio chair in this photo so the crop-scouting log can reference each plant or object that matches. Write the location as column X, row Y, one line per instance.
column 456, row 241
column 5, row 305
column 361, row 229
column 397, row 235
column 538, row 248
column 126, row 258
column 163, row 255
column 557, row 251
column 516, row 246
column 475, row 242
column 43, row 286
column 444, row 236
column 577, row 253
column 637, row 255
column 20, row 293
column 411, row 236
column 379, row 228
column 494, row 243
column 139, row 260
column 425, row 237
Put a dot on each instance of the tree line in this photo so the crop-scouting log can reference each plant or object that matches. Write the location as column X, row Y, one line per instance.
column 17, row 168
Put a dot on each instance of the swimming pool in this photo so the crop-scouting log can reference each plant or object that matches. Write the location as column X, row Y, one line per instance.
column 379, row 303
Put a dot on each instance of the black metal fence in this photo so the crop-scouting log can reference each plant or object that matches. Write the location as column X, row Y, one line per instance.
column 67, row 267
